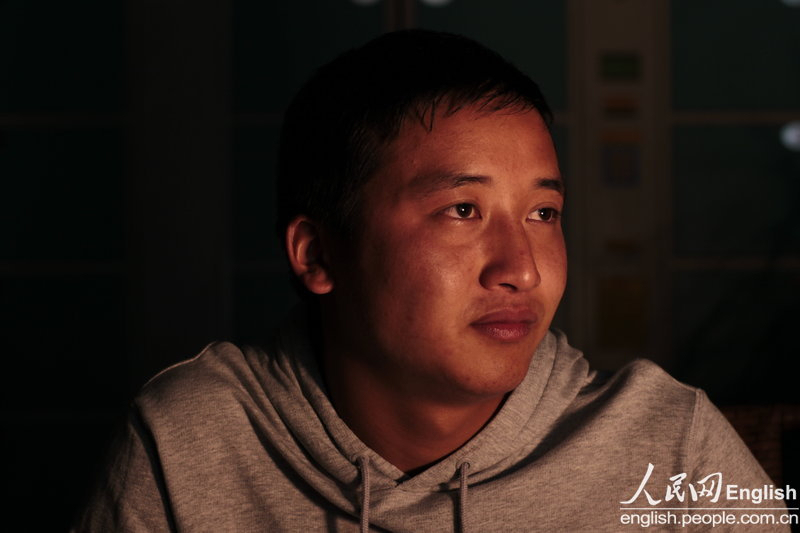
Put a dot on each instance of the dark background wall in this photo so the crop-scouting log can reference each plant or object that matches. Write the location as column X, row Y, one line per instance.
column 137, row 146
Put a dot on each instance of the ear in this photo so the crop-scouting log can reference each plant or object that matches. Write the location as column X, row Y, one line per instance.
column 306, row 255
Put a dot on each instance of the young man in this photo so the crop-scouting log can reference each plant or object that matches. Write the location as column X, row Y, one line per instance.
column 420, row 388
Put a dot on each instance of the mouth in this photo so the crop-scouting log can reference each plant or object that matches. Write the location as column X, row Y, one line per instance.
column 507, row 325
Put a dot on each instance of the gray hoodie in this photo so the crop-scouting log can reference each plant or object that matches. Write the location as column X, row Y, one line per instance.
column 247, row 440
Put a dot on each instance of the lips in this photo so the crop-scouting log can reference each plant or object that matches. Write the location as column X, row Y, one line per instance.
column 506, row 325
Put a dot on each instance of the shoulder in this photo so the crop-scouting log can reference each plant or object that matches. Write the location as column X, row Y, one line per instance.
column 672, row 416
column 207, row 369
column 643, row 385
column 651, row 412
column 209, row 383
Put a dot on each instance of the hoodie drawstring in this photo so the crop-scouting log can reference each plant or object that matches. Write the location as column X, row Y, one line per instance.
column 363, row 465
column 463, row 470
column 462, row 496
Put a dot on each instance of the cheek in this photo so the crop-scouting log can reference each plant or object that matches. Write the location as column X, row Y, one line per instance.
column 452, row 268
column 415, row 269
column 552, row 264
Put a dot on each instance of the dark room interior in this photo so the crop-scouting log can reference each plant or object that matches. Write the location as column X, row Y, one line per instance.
column 137, row 155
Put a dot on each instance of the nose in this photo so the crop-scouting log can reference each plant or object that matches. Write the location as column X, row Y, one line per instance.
column 510, row 263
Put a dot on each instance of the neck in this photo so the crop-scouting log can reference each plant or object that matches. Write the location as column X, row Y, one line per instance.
column 409, row 429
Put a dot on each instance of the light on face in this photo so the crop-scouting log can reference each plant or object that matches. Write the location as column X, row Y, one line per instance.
column 791, row 3
column 790, row 136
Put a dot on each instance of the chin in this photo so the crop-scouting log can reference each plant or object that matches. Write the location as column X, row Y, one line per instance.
column 498, row 380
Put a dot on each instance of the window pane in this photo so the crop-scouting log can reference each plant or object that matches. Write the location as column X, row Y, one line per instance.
column 736, row 191
column 532, row 35
column 61, row 56
column 735, row 331
column 64, row 345
column 277, row 45
column 254, row 193
column 63, row 195
column 735, row 54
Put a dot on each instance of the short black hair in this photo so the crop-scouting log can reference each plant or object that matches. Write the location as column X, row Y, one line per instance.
column 338, row 124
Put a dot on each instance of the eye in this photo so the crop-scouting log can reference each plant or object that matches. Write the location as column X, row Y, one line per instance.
column 545, row 214
column 462, row 211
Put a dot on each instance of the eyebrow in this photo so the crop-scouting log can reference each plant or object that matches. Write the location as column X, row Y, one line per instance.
column 555, row 184
column 427, row 184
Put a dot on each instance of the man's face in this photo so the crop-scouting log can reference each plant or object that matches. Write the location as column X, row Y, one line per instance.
column 460, row 262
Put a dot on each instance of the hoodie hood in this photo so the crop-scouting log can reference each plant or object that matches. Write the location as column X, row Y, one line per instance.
column 332, row 459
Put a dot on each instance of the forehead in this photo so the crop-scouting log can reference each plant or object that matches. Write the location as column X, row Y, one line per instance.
column 470, row 142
